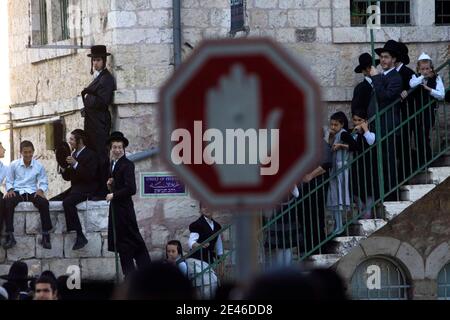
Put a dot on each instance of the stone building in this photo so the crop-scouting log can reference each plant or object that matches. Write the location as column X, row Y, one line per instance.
column 46, row 81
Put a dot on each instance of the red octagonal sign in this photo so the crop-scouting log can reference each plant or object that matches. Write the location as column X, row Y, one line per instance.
column 240, row 122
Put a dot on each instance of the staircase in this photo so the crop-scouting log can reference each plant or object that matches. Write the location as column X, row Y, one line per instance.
column 416, row 188
column 326, row 250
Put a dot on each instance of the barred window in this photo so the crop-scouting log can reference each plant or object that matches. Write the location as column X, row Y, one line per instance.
column 392, row 280
column 442, row 12
column 393, row 12
column 444, row 283
column 49, row 21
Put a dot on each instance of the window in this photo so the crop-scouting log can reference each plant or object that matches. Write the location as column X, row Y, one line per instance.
column 442, row 12
column 393, row 12
column 444, row 283
column 49, row 21
column 392, row 282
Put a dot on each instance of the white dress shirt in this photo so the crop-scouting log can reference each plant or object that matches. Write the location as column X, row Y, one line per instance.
column 75, row 154
column 193, row 237
column 3, row 172
column 399, row 67
column 438, row 93
column 387, row 71
column 26, row 179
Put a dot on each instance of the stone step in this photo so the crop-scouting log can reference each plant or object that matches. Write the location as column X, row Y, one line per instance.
column 323, row 260
column 433, row 175
column 415, row 192
column 343, row 245
column 394, row 208
column 366, row 227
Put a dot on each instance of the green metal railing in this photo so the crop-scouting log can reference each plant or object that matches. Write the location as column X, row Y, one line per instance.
column 300, row 227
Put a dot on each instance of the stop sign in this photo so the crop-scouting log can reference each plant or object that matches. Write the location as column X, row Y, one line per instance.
column 240, row 122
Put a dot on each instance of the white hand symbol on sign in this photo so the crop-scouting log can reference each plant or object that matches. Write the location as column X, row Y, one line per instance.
column 234, row 109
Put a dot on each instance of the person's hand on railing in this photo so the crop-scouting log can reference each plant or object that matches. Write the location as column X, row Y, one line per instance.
column 204, row 246
column 426, row 87
column 339, row 146
column 404, row 94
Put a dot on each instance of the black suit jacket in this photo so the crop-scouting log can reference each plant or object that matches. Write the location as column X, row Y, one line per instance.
column 406, row 74
column 84, row 179
column 387, row 89
column 97, row 120
column 361, row 96
column 129, row 239
column 202, row 227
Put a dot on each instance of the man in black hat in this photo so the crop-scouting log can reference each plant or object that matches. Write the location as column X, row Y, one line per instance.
column 363, row 92
column 18, row 276
column 407, row 109
column 81, row 171
column 122, row 185
column 388, row 86
column 97, row 98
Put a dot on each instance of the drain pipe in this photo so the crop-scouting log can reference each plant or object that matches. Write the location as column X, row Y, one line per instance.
column 176, row 6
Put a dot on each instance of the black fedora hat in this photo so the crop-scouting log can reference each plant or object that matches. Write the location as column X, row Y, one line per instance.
column 365, row 60
column 17, row 272
column 117, row 136
column 390, row 46
column 404, row 53
column 98, row 52
column 62, row 151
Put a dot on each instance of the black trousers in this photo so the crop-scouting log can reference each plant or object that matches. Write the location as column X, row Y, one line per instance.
column 2, row 211
column 127, row 259
column 70, row 202
column 40, row 203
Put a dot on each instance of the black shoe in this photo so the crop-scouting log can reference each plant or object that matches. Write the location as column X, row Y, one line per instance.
column 10, row 242
column 80, row 242
column 46, row 244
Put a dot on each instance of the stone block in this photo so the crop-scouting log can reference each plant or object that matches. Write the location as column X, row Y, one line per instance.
column 124, row 97
column 413, row 261
column 99, row 269
column 34, row 267
column 2, row 254
column 415, row 192
column 290, row 4
column 96, row 216
column 24, row 249
column 59, row 266
column 225, row 4
column 316, row 4
column 181, row 208
column 19, row 223
column 380, row 246
column 266, row 4
column 303, row 18
column 147, row 96
column 341, row 18
column 324, row 35
column 394, row 208
column 156, row 4
column 325, row 17
column 285, row 35
column 436, row 260
column 349, row 35
column 132, row 5
column 159, row 236
column 105, row 252
column 57, row 250
column 92, row 249
column 259, row 18
column 278, row 18
column 340, row 4
column 198, row 18
column 154, row 18
column 33, row 222
column 121, row 19
column 347, row 264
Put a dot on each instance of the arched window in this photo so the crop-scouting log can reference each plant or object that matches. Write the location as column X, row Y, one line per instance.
column 379, row 278
column 444, row 283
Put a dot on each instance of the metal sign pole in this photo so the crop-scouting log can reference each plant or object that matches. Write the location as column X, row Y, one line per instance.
column 246, row 247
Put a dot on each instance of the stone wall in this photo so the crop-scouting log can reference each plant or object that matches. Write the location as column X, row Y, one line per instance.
column 418, row 239
column 138, row 33
column 94, row 260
